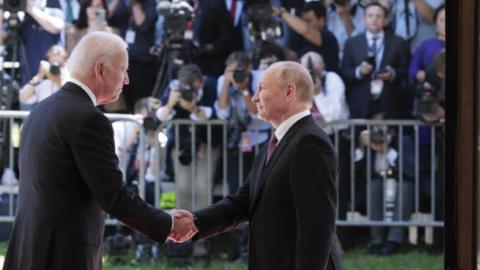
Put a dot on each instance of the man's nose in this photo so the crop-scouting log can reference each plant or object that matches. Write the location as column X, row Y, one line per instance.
column 126, row 80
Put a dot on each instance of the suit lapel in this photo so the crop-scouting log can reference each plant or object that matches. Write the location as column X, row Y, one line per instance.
column 363, row 47
column 386, row 51
column 263, row 170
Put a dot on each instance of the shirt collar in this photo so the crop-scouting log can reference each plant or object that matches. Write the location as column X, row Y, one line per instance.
column 287, row 124
column 379, row 35
column 85, row 88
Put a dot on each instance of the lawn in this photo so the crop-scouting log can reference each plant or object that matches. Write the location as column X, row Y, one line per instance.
column 359, row 259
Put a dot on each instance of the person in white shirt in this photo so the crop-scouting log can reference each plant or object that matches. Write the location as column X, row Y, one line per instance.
column 329, row 93
column 51, row 75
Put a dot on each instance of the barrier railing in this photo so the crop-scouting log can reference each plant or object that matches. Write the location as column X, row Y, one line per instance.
column 207, row 175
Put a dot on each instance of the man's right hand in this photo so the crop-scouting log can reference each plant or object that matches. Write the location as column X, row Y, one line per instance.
column 183, row 226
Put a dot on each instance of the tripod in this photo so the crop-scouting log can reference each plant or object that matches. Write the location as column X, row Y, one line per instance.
column 172, row 56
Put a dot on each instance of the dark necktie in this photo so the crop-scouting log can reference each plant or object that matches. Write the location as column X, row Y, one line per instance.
column 272, row 144
column 233, row 11
column 374, row 48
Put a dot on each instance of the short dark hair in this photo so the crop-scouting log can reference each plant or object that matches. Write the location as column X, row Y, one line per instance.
column 268, row 48
column 437, row 11
column 189, row 73
column 377, row 4
column 240, row 57
column 317, row 7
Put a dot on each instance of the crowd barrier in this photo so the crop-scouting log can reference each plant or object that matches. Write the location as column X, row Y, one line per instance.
column 419, row 165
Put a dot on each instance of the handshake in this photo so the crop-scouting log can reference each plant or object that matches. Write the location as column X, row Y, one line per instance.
column 183, row 228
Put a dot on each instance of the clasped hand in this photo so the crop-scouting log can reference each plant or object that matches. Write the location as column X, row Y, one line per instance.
column 183, row 226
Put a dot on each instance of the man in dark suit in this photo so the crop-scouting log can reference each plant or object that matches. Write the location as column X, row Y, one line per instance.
column 218, row 32
column 373, row 67
column 69, row 171
column 289, row 197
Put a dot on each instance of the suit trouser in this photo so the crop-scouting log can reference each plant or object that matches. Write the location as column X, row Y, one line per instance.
column 189, row 186
column 394, row 234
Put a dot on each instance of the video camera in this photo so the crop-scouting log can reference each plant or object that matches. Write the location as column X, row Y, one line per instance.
column 178, row 15
column 379, row 135
column 14, row 6
column 262, row 26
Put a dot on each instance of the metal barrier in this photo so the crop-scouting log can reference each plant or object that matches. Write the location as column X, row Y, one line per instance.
column 214, row 154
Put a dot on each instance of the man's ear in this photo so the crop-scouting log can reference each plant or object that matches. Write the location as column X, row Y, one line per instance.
column 290, row 91
column 99, row 69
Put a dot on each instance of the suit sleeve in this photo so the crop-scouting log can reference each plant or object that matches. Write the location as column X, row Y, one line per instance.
column 348, row 65
column 93, row 150
column 312, row 182
column 224, row 215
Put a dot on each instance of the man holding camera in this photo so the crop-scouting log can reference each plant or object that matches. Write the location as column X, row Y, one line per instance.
column 387, row 196
column 51, row 75
column 190, row 97
column 235, row 89
column 373, row 67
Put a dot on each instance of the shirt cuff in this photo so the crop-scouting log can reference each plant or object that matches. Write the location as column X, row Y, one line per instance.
column 358, row 75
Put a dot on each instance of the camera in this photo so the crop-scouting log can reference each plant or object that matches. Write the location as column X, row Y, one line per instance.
column 371, row 60
column 177, row 16
column 117, row 246
column 262, row 26
column 239, row 74
column 379, row 135
column 14, row 6
column 427, row 101
column 54, row 69
column 187, row 92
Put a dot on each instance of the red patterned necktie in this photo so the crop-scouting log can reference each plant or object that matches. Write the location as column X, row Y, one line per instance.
column 233, row 10
column 272, row 144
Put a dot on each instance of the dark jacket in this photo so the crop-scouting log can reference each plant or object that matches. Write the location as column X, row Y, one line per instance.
column 69, row 176
column 289, row 203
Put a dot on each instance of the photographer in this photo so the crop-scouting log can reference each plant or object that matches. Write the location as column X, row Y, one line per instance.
column 385, row 193
column 37, row 32
column 235, row 90
column 429, row 107
column 312, row 26
column 51, row 75
column 190, row 97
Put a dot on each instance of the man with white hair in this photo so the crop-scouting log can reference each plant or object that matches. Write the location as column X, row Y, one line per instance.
column 289, row 197
column 69, row 172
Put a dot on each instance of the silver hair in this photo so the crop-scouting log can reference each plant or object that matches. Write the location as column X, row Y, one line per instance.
column 92, row 47
column 293, row 72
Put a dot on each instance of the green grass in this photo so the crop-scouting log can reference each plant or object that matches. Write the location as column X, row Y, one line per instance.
column 359, row 259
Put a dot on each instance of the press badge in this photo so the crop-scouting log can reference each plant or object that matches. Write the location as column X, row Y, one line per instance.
column 376, row 87
column 130, row 36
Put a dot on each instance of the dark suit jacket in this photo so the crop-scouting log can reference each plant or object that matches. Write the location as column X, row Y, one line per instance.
column 213, row 26
column 289, row 204
column 68, row 174
column 395, row 101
